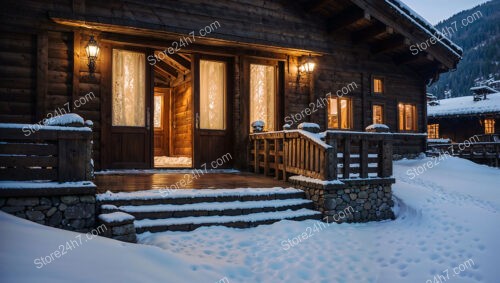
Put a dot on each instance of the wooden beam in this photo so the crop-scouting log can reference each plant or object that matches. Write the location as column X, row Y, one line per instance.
column 390, row 44
column 167, row 68
column 314, row 6
column 162, row 72
column 42, row 70
column 346, row 18
column 180, row 60
column 371, row 32
column 409, row 58
column 77, row 36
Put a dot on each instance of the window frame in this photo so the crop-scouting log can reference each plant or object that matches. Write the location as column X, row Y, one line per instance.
column 277, row 90
column 382, row 105
column 349, row 116
column 383, row 80
column 435, row 131
column 415, row 118
column 225, row 84
column 488, row 125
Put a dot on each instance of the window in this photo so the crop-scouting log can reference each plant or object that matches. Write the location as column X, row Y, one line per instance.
column 158, row 112
column 489, row 126
column 407, row 117
column 212, row 95
column 378, row 114
column 378, row 85
column 339, row 113
column 263, row 95
column 433, row 131
column 128, row 89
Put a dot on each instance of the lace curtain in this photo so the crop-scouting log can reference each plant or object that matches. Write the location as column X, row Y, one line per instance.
column 128, row 90
column 262, row 95
column 212, row 95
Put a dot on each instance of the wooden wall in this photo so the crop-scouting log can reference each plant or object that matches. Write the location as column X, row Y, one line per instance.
column 182, row 119
column 17, row 77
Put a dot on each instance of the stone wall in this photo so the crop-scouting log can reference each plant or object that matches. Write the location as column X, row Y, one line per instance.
column 120, row 225
column 73, row 210
column 351, row 201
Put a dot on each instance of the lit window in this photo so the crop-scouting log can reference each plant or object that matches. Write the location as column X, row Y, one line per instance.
column 339, row 113
column 129, row 89
column 378, row 85
column 489, row 126
column 158, row 112
column 378, row 114
column 263, row 95
column 433, row 131
column 407, row 117
column 212, row 95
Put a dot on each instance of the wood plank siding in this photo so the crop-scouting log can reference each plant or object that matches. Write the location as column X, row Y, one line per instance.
column 43, row 65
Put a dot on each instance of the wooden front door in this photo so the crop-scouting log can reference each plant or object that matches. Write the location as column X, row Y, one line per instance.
column 128, row 143
column 213, row 93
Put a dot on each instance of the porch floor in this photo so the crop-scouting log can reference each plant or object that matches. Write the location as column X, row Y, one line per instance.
column 138, row 182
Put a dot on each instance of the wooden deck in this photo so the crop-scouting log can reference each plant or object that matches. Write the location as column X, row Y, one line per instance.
column 136, row 182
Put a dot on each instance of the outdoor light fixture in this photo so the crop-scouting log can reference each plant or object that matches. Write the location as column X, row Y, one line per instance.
column 308, row 65
column 92, row 50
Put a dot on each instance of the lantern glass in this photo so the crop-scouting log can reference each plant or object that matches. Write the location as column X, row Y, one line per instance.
column 92, row 48
column 308, row 66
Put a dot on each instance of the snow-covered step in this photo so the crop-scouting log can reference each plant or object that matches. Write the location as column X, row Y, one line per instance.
column 214, row 208
column 239, row 221
column 191, row 196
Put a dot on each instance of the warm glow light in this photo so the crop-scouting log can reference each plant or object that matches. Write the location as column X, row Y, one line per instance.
column 308, row 66
column 92, row 50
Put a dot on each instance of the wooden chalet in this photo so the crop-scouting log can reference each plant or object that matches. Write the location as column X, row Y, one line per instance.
column 467, row 126
column 184, row 80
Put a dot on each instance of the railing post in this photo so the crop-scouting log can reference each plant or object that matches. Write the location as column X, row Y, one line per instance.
column 331, row 154
column 347, row 156
column 363, row 157
column 72, row 158
column 385, row 157
column 256, row 156
column 286, row 155
column 266, row 157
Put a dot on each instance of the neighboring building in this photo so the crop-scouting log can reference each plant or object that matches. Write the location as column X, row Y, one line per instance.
column 461, row 118
column 182, row 81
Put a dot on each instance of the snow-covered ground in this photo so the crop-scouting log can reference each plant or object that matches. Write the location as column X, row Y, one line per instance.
column 448, row 220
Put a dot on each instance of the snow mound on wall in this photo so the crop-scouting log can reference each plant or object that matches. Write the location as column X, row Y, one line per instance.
column 70, row 119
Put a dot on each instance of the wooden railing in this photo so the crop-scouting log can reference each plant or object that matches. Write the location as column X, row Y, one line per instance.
column 481, row 152
column 338, row 155
column 30, row 152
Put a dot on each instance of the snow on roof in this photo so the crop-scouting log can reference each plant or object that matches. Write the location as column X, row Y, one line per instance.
column 424, row 25
column 465, row 105
column 483, row 87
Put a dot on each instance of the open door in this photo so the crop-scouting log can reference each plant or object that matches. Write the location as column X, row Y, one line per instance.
column 213, row 146
column 129, row 137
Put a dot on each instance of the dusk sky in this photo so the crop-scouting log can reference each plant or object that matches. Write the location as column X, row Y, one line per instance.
column 436, row 10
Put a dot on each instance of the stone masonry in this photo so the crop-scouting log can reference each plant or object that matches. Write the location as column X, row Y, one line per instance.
column 351, row 201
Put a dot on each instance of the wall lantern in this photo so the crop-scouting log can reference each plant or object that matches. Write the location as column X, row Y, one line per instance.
column 308, row 65
column 92, row 50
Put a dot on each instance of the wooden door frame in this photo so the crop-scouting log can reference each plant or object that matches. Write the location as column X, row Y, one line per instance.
column 195, row 60
column 106, row 96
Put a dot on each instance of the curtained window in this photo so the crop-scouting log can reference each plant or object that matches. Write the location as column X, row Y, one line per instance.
column 339, row 113
column 263, row 95
column 212, row 95
column 433, row 131
column 128, row 89
column 378, row 114
column 407, row 117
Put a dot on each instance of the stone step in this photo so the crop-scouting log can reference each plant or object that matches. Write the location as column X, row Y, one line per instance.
column 239, row 221
column 214, row 208
column 192, row 196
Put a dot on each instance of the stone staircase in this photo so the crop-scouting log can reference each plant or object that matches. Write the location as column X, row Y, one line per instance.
column 186, row 210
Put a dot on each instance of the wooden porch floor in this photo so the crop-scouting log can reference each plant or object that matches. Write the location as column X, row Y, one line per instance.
column 137, row 182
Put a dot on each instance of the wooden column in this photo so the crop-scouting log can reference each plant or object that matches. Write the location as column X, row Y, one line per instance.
column 77, row 36
column 42, row 69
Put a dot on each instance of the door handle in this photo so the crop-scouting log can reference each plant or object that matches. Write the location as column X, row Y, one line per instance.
column 197, row 122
